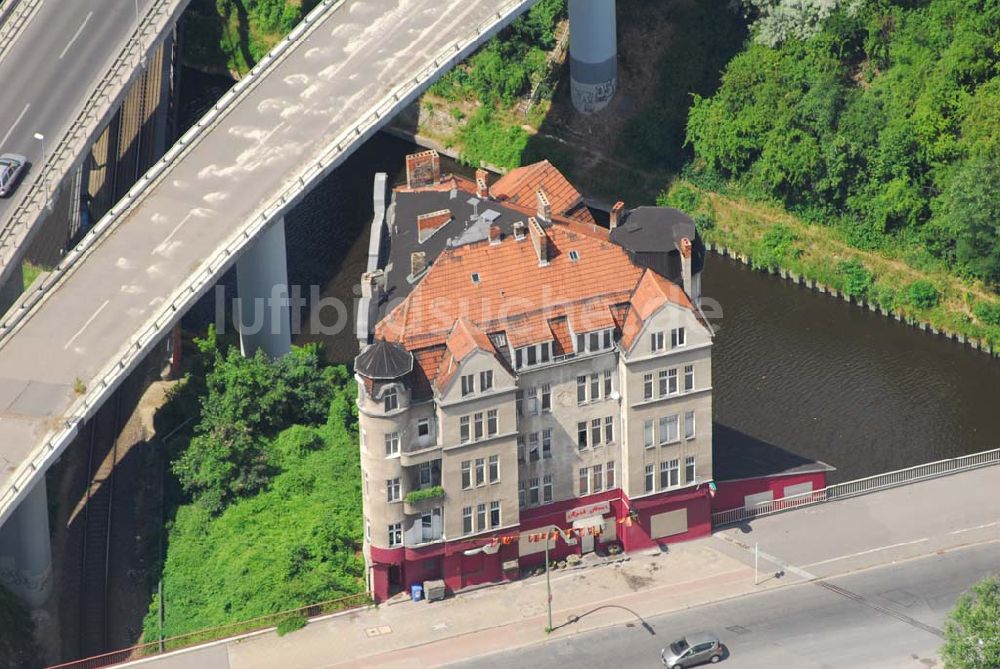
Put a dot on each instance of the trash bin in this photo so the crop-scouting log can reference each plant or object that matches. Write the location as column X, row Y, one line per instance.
column 416, row 592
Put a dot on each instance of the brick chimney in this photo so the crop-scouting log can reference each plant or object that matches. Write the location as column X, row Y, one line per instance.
column 539, row 240
column 494, row 234
column 371, row 284
column 482, row 184
column 685, row 249
column 418, row 263
column 544, row 212
column 616, row 214
column 423, row 169
column 519, row 230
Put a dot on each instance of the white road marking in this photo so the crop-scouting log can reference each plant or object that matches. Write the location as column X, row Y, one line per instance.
column 798, row 571
column 89, row 321
column 977, row 527
column 76, row 34
column 14, row 125
column 867, row 552
column 162, row 246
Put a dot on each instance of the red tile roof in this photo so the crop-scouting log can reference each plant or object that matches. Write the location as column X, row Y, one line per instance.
column 520, row 184
column 651, row 293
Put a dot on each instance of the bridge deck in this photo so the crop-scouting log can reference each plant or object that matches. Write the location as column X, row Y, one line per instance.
column 352, row 58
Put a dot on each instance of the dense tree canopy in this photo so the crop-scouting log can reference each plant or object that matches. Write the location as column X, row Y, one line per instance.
column 884, row 122
column 972, row 631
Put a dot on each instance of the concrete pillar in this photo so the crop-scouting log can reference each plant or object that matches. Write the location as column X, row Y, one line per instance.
column 593, row 54
column 12, row 289
column 25, row 552
column 264, row 313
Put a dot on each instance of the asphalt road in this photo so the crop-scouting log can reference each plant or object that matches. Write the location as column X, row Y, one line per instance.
column 887, row 617
column 52, row 67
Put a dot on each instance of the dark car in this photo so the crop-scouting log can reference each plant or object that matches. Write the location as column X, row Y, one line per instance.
column 691, row 650
column 12, row 169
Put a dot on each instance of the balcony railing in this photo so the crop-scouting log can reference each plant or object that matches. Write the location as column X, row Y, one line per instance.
column 423, row 500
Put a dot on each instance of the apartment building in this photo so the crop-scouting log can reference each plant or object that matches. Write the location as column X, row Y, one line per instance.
column 523, row 369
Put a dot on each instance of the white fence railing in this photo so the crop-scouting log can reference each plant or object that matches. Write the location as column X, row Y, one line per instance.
column 859, row 487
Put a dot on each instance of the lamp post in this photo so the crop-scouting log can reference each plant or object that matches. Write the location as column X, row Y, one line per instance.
column 45, row 175
column 548, row 579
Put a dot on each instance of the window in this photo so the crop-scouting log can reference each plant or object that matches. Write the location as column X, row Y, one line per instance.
column 520, row 448
column 429, row 473
column 689, row 469
column 545, row 351
column 463, row 429
column 606, row 337
column 581, row 435
column 574, row 256
column 533, row 447
column 466, row 474
column 427, row 526
column 368, row 530
column 610, row 469
column 522, row 493
column 533, row 492
column 485, row 380
column 595, row 341
column 478, row 420
column 581, row 390
column 390, row 399
column 480, row 471
column 677, row 338
column 675, row 472
column 581, row 343
column 517, row 358
column 366, row 484
column 664, row 475
column 671, row 381
column 494, row 469
column 647, row 386
column 392, row 443
column 609, row 430
column 468, row 384
column 519, row 402
column 663, row 382
column 647, row 434
column 531, row 408
column 688, row 377
column 467, row 520
column 481, row 517
column 649, row 478
column 475, row 277
column 494, row 514
column 546, row 398
column 607, row 383
column 547, row 488
column 597, row 484
column 689, row 424
column 392, row 489
column 595, row 432
column 423, row 427
column 395, row 534
column 656, row 341
column 595, row 387
column 584, row 481
column 546, row 443
column 532, row 355
column 491, row 422
column 668, row 429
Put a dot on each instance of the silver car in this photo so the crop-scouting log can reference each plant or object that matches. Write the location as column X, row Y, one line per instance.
column 691, row 650
column 12, row 168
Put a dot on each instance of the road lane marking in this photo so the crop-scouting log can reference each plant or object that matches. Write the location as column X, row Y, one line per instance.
column 14, row 125
column 977, row 527
column 76, row 35
column 89, row 321
column 162, row 246
column 867, row 552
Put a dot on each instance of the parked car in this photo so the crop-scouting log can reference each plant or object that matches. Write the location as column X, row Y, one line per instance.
column 12, row 169
column 691, row 650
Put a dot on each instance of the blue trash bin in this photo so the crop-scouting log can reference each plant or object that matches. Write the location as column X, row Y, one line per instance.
column 417, row 592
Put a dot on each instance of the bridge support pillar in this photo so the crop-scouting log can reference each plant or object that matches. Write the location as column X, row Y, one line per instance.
column 12, row 288
column 264, row 307
column 25, row 552
column 593, row 54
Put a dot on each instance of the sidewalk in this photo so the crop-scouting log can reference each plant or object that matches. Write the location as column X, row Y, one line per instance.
column 808, row 543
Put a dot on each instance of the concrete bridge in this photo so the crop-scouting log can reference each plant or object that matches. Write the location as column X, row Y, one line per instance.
column 218, row 198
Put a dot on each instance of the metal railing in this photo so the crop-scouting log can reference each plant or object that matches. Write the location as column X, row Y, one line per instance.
column 14, row 15
column 73, row 143
column 221, row 632
column 201, row 280
column 859, row 487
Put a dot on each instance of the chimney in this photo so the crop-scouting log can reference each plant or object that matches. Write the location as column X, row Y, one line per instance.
column 494, row 234
column 418, row 263
column 519, row 230
column 423, row 169
column 686, row 267
column 544, row 208
column 540, row 241
column 616, row 214
column 482, row 184
column 371, row 283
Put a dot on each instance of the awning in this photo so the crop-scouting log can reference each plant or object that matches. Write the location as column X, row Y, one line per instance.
column 589, row 521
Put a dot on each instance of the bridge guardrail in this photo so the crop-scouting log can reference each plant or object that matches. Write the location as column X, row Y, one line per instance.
column 199, row 282
column 857, row 487
column 13, row 16
column 72, row 143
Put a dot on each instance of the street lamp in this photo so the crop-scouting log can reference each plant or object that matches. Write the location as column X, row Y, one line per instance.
column 490, row 549
column 45, row 175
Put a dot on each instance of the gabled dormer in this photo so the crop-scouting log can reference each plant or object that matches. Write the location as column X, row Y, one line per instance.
column 661, row 320
column 471, row 366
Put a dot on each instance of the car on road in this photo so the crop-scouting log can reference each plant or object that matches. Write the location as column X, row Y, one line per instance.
column 692, row 650
column 12, row 168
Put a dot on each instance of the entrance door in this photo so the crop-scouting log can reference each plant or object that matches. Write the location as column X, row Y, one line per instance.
column 587, row 543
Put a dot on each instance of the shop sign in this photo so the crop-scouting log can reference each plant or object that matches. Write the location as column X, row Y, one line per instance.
column 596, row 509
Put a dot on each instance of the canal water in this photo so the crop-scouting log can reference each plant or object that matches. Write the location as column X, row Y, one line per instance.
column 806, row 372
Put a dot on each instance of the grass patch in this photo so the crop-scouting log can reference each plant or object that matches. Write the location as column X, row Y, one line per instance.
column 30, row 272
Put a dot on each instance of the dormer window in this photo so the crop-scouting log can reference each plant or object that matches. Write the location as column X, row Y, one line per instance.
column 390, row 399
column 475, row 278
column 591, row 342
column 574, row 256
column 468, row 384
column 529, row 356
column 656, row 341
column 677, row 337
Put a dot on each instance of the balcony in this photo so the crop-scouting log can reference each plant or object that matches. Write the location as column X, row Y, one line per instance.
column 419, row 450
column 423, row 500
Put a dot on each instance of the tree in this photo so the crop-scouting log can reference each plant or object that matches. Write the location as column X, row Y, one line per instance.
column 780, row 20
column 972, row 631
column 971, row 204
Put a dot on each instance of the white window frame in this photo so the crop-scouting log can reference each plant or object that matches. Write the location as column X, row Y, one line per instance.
column 468, row 384
column 689, row 425
column 583, row 480
column 393, row 490
column 547, row 488
column 395, row 534
column 656, row 341
column 391, row 444
column 493, row 469
column 496, row 508
column 690, row 469
column 466, row 474
column 678, row 337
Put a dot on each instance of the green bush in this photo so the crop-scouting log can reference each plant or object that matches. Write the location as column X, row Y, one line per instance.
column 291, row 624
column 703, row 222
column 856, row 279
column 484, row 139
column 682, row 197
column 972, row 630
column 922, row 294
column 987, row 312
column 775, row 247
column 433, row 492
